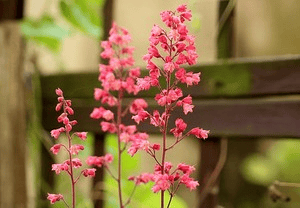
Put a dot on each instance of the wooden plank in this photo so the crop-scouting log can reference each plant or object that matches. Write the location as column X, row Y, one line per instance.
column 12, row 118
column 264, row 116
column 224, row 78
column 11, row 9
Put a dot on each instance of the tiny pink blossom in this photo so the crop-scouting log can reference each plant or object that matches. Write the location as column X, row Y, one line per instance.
column 56, row 132
column 110, row 127
column 74, row 149
column 96, row 161
column 161, row 183
column 138, row 105
column 189, row 182
column 81, row 135
column 60, row 167
column 141, row 116
column 59, row 92
column 108, row 158
column 89, row 172
column 54, row 197
column 55, row 148
column 199, row 133
column 156, row 147
column 186, row 169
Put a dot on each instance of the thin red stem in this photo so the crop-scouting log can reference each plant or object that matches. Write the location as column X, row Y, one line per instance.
column 119, row 115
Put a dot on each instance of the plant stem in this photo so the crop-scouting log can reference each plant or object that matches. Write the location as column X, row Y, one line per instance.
column 119, row 114
column 71, row 172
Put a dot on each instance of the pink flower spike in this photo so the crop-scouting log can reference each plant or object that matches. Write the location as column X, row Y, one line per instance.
column 89, row 172
column 55, row 149
column 54, row 197
column 81, row 135
column 59, row 92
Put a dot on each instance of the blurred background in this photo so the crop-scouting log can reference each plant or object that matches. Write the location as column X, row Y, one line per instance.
column 58, row 42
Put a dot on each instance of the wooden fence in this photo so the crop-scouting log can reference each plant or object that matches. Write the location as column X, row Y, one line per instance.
column 254, row 98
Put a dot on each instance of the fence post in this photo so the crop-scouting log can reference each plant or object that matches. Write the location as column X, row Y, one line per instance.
column 210, row 149
column 12, row 118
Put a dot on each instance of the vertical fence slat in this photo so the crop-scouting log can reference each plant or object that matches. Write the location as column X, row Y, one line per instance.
column 210, row 149
column 12, row 118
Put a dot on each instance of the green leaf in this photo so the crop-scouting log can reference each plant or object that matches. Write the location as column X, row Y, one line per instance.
column 44, row 31
column 52, row 44
column 259, row 170
column 78, row 15
column 91, row 11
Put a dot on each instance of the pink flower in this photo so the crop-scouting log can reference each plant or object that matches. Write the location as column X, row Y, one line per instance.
column 108, row 158
column 110, row 127
column 81, row 135
column 55, row 148
column 161, row 183
column 76, row 163
column 138, row 105
column 143, row 178
column 181, row 8
column 199, row 133
column 59, row 92
column 94, row 160
column 141, row 116
column 135, row 72
column 189, row 182
column 156, row 147
column 180, row 127
column 60, row 167
column 56, row 132
column 54, row 197
column 186, row 169
column 108, row 115
column 74, row 149
column 89, row 172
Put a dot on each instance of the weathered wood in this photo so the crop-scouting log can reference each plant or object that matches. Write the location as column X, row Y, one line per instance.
column 11, row 9
column 98, row 193
column 12, row 118
column 231, row 78
column 257, row 117
column 210, row 151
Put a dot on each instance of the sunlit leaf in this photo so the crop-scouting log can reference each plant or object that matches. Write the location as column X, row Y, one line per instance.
column 44, row 31
column 259, row 170
column 78, row 15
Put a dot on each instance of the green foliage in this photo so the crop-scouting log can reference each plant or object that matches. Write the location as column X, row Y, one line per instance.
column 82, row 15
column 259, row 170
column 280, row 162
column 44, row 31
column 143, row 196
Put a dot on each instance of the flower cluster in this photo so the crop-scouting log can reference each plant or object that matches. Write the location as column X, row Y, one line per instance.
column 71, row 163
column 172, row 48
column 181, row 175
column 117, row 77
